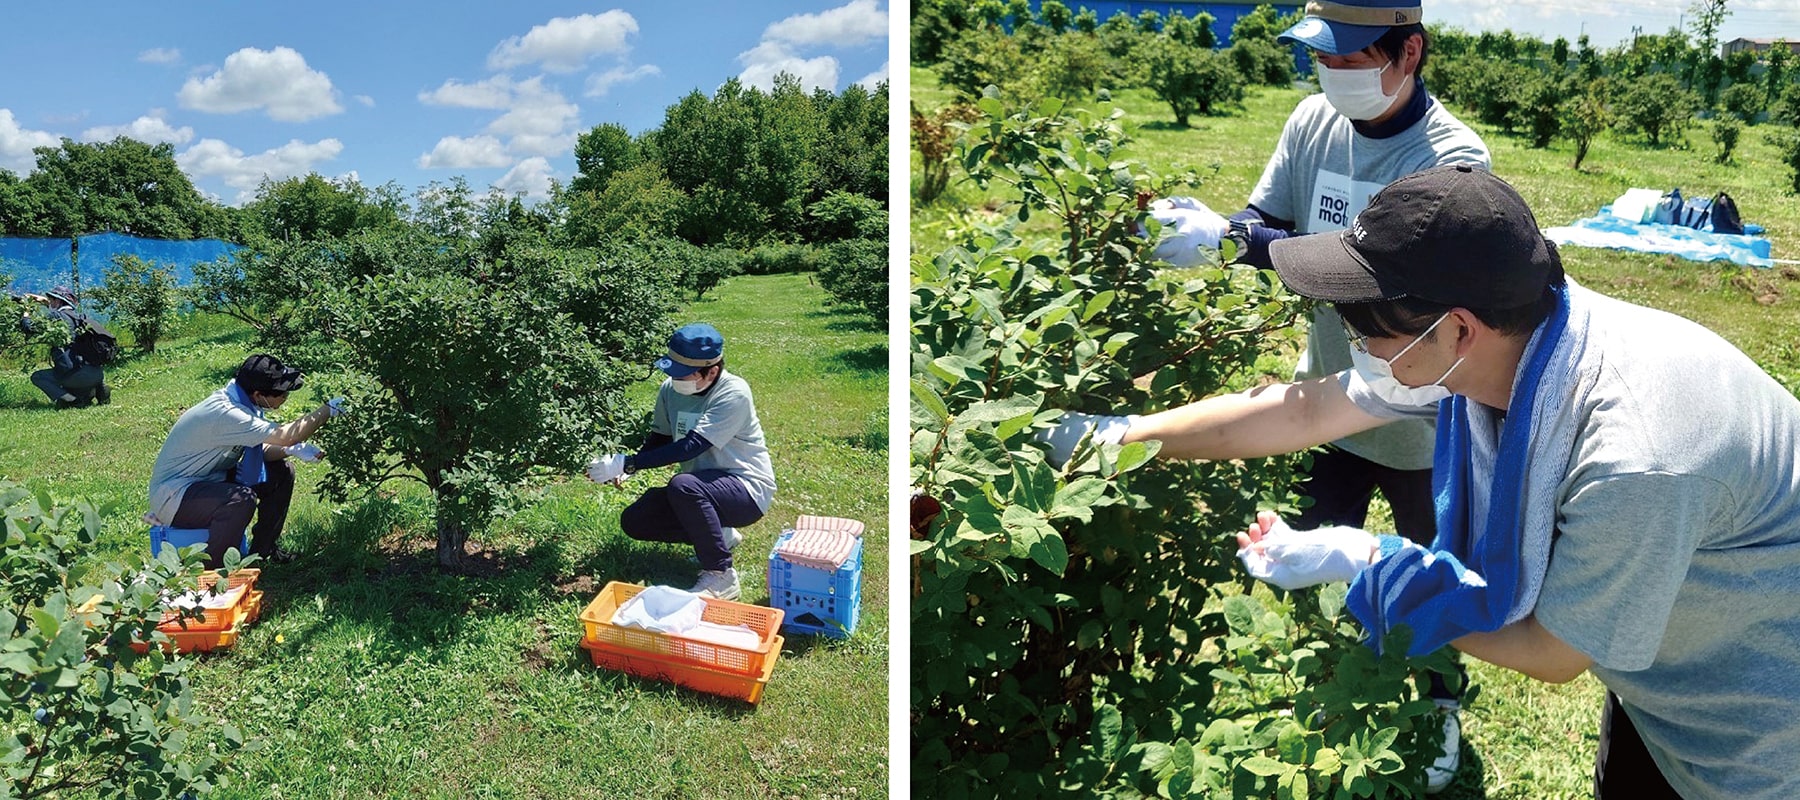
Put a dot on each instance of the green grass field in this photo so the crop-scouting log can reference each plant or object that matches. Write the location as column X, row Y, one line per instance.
column 374, row 675
column 1523, row 739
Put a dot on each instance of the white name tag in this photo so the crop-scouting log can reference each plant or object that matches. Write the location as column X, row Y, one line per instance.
column 685, row 422
column 1336, row 201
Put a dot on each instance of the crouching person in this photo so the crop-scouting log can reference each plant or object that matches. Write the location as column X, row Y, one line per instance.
column 705, row 420
column 224, row 462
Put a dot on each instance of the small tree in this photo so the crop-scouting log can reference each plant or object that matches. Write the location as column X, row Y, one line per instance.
column 1538, row 107
column 1263, row 62
column 139, row 297
column 1584, row 116
column 978, row 59
column 855, row 273
column 1055, row 16
column 1070, row 67
column 843, row 215
column 1744, row 101
column 86, row 715
column 1149, row 22
column 1787, row 142
column 1655, row 105
column 1192, row 81
column 1725, row 135
column 1786, row 108
column 1086, row 20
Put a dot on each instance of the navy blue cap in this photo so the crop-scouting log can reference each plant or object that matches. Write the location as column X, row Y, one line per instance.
column 1342, row 27
column 692, row 347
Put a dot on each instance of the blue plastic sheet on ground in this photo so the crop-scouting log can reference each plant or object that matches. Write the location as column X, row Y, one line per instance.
column 36, row 265
column 1606, row 230
column 94, row 253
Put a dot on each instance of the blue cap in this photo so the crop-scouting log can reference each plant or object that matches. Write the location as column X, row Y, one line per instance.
column 692, row 347
column 1342, row 27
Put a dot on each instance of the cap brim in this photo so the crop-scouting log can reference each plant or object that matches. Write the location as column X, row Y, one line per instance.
column 675, row 369
column 1322, row 267
column 1333, row 38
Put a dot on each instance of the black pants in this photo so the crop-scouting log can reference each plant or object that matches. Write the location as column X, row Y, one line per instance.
column 691, row 510
column 1341, row 485
column 83, row 382
column 224, row 509
column 1623, row 769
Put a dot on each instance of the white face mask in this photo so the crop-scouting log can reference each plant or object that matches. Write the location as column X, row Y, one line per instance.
column 1378, row 373
column 1356, row 93
column 685, row 387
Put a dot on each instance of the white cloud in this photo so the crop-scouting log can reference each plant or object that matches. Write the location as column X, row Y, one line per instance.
column 16, row 144
column 850, row 24
column 535, row 110
column 365, row 100
column 769, row 59
column 160, row 55
column 564, row 44
column 495, row 92
column 456, row 152
column 531, row 177
column 277, row 81
column 598, row 85
column 211, row 158
column 868, row 81
column 150, row 128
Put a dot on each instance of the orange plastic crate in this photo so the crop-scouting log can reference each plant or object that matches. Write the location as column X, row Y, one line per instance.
column 201, row 641
column 711, row 681
column 217, row 619
column 747, row 663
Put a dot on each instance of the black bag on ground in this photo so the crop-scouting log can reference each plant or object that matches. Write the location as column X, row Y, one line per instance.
column 1725, row 217
column 95, row 346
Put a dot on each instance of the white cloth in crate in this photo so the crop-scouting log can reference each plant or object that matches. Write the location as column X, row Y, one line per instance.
column 821, row 542
column 666, row 609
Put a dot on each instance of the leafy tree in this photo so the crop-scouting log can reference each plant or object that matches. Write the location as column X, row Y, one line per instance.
column 851, row 155
column 1191, row 81
column 978, row 59
column 314, row 207
column 1086, row 20
column 1777, row 73
column 1061, row 613
column 1787, row 143
column 855, row 273
column 1738, row 66
column 1071, row 67
column 1262, row 62
column 85, row 714
column 1195, row 31
column 139, row 297
column 1655, row 105
column 1743, row 101
column 1707, row 16
column 933, row 136
column 934, row 24
column 1055, row 16
column 744, row 159
column 1149, row 21
column 637, row 204
column 600, row 153
column 1786, row 109
column 1559, row 54
column 1725, row 134
column 842, row 215
column 124, row 186
column 1263, row 22
column 1019, row 11
column 1540, row 98
column 1585, row 115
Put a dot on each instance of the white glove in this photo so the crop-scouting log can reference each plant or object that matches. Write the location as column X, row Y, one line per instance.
column 336, row 405
column 607, row 468
column 1294, row 559
column 305, row 451
column 1188, row 225
column 1068, row 432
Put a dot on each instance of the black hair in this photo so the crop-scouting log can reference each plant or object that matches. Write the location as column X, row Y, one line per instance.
column 1393, row 44
column 1411, row 316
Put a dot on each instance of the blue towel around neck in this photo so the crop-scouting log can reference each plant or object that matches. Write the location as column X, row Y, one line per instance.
column 252, row 468
column 1468, row 581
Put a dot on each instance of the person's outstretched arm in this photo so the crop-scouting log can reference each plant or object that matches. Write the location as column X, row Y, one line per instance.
column 1269, row 420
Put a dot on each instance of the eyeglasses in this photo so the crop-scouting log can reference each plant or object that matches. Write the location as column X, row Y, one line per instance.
column 1361, row 343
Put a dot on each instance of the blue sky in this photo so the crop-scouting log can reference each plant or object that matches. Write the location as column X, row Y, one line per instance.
column 409, row 91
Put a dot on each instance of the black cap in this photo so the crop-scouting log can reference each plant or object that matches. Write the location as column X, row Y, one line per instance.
column 1454, row 235
column 265, row 373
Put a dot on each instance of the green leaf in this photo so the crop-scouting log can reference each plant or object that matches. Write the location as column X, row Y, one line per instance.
column 1107, row 724
column 1241, row 612
column 1034, row 486
column 930, row 400
column 1223, row 734
column 1136, row 454
column 1051, row 553
column 1263, row 766
column 1089, row 635
column 1292, row 786
column 1078, row 498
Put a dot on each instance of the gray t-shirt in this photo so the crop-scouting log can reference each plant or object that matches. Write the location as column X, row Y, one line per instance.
column 1322, row 173
column 1676, row 565
column 205, row 444
column 726, row 416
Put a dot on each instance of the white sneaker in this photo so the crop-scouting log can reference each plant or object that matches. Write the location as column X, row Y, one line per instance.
column 732, row 538
column 719, row 583
column 1442, row 771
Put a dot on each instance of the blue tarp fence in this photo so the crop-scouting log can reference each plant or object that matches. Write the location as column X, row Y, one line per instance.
column 39, row 264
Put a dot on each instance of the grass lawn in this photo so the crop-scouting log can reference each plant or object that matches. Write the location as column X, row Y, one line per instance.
column 373, row 675
column 1523, row 739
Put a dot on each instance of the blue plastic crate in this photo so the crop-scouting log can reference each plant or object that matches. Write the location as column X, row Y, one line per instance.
column 817, row 601
column 183, row 537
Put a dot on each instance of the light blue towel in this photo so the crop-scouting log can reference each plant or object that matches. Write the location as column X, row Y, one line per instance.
column 252, row 468
column 1606, row 230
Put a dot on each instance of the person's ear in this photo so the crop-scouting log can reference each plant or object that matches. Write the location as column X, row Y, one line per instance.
column 1410, row 52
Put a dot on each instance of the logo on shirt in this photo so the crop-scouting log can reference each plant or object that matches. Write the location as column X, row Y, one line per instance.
column 685, row 422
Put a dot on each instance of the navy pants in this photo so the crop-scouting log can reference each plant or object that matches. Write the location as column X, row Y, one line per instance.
column 692, row 509
column 224, row 509
column 83, row 382
column 1623, row 767
column 1341, row 485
